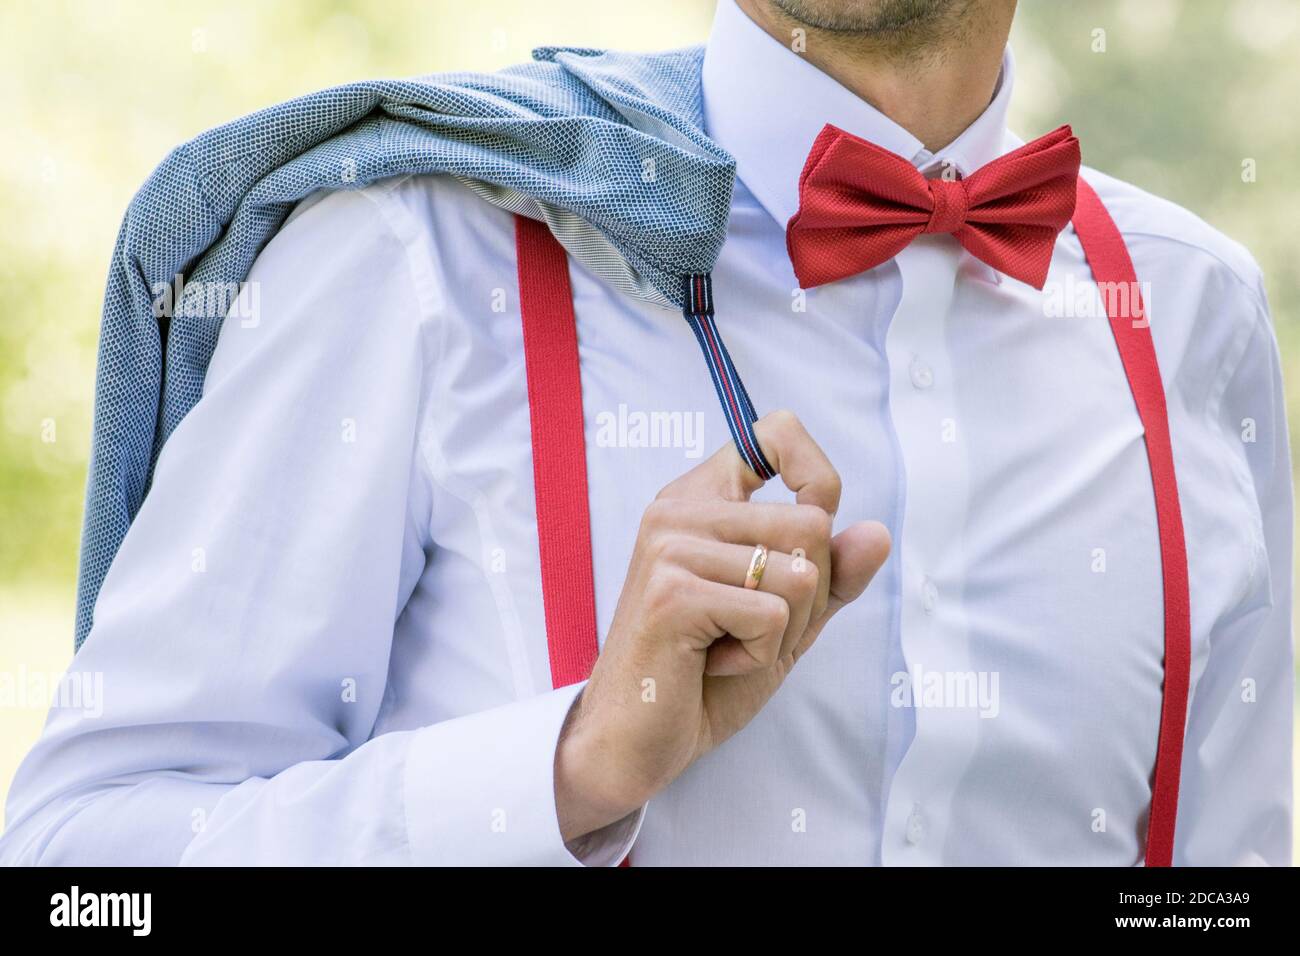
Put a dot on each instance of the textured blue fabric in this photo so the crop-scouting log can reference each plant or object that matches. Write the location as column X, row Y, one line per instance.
column 606, row 147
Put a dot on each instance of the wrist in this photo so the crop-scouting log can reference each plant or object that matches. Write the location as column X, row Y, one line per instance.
column 590, row 790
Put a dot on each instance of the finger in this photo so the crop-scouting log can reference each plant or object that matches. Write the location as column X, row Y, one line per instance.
column 748, row 627
column 780, row 527
column 857, row 553
column 789, row 449
column 798, row 530
column 792, row 579
column 799, row 460
column 806, row 471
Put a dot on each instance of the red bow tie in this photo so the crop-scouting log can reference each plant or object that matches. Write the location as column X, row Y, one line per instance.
column 860, row 205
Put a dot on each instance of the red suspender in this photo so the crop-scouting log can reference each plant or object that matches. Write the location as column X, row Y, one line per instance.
column 1108, row 256
column 559, row 451
column 560, row 475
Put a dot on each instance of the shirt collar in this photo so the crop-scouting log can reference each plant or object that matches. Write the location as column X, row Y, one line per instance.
column 751, row 82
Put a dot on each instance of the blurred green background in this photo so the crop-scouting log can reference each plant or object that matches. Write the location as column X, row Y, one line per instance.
column 97, row 92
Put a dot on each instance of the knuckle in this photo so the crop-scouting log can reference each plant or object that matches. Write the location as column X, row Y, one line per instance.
column 776, row 616
column 834, row 484
column 658, row 514
column 667, row 548
column 674, row 489
column 783, row 422
column 814, row 522
column 660, row 594
column 805, row 581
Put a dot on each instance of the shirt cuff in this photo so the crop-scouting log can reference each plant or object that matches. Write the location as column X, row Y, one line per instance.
column 608, row 845
column 480, row 791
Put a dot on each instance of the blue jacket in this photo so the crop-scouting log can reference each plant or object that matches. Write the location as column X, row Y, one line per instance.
column 606, row 147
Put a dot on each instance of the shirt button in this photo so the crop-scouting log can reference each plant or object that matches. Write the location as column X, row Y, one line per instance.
column 929, row 596
column 915, row 831
column 922, row 375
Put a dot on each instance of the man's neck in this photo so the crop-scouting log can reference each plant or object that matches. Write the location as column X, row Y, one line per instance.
column 934, row 80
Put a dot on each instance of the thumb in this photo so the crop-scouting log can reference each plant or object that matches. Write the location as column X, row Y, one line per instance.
column 857, row 553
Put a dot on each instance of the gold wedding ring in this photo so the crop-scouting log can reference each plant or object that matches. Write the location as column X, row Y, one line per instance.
column 757, row 564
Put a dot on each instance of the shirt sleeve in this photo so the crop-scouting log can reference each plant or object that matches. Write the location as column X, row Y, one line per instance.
column 222, row 708
column 1235, row 801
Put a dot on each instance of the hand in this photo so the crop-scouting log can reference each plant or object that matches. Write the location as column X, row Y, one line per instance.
column 692, row 655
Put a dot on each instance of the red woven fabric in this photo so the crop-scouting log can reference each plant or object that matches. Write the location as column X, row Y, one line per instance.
column 860, row 205
column 559, row 451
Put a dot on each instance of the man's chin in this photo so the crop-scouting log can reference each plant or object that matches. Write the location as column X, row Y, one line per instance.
column 869, row 17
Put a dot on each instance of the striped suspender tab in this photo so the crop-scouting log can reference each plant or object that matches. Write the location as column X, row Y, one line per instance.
column 736, row 406
column 1103, row 246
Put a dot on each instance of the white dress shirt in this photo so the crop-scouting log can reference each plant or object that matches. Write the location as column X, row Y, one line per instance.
column 323, row 639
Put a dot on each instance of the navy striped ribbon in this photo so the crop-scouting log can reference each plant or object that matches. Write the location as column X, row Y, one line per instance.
column 731, row 390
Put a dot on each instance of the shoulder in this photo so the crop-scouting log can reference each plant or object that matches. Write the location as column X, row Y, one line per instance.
column 420, row 236
column 1171, row 240
column 348, row 266
column 1203, row 293
column 435, row 229
column 421, row 215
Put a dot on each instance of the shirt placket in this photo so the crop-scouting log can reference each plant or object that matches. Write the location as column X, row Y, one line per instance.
column 933, row 638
